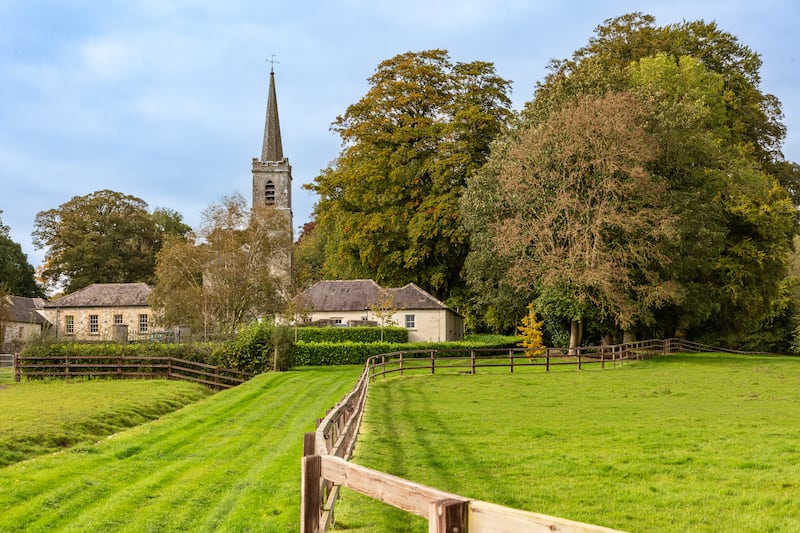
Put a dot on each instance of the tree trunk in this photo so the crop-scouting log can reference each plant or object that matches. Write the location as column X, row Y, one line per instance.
column 575, row 336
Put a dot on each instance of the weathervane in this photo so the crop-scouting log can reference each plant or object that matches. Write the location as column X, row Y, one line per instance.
column 272, row 62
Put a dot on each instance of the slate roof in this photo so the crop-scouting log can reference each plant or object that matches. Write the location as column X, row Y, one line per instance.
column 23, row 310
column 105, row 295
column 360, row 294
column 412, row 296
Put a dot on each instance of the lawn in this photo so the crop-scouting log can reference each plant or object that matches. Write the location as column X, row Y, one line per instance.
column 695, row 443
column 39, row 417
column 230, row 462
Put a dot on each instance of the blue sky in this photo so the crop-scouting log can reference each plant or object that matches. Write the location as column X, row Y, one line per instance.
column 165, row 99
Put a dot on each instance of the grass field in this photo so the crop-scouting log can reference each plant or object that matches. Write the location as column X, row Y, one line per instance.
column 228, row 463
column 695, row 443
column 39, row 417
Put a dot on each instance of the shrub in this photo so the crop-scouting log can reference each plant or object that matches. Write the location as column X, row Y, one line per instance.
column 254, row 349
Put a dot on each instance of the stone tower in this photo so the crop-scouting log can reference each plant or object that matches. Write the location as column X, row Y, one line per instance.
column 272, row 183
column 272, row 174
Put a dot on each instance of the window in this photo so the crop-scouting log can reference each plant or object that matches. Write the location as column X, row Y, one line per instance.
column 142, row 323
column 69, row 325
column 337, row 321
column 269, row 192
column 411, row 321
column 117, row 319
column 94, row 324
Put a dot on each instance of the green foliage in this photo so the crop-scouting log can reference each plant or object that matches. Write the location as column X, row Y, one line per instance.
column 353, row 353
column 260, row 347
column 723, row 197
column 103, row 237
column 16, row 273
column 388, row 207
column 234, row 271
column 359, row 334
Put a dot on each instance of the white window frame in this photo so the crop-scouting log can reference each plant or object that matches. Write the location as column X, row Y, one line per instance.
column 94, row 324
column 143, row 323
column 411, row 321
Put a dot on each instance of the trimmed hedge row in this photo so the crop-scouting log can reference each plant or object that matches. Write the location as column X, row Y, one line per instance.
column 352, row 353
column 391, row 334
column 199, row 353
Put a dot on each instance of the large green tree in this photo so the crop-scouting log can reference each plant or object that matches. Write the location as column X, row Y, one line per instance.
column 103, row 237
column 234, row 270
column 389, row 205
column 17, row 276
column 721, row 176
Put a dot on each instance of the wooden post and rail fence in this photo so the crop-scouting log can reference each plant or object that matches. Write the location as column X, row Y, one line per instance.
column 326, row 452
column 126, row 367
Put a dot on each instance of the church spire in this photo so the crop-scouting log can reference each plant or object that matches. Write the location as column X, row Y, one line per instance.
column 272, row 150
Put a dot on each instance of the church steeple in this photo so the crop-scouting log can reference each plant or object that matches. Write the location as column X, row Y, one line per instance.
column 272, row 174
column 272, row 150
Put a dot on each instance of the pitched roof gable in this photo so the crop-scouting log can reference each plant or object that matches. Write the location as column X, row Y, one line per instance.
column 361, row 294
column 341, row 295
column 105, row 295
column 412, row 296
column 23, row 310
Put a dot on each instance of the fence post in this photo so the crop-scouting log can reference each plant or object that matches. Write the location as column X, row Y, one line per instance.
column 579, row 358
column 66, row 367
column 17, row 368
column 448, row 516
column 472, row 357
column 383, row 366
column 511, row 360
column 309, row 441
column 310, row 495
column 401, row 363
column 433, row 363
column 547, row 359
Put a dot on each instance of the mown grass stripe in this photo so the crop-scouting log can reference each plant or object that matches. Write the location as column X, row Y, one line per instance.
column 230, row 463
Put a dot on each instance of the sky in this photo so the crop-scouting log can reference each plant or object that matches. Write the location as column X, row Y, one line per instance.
column 165, row 99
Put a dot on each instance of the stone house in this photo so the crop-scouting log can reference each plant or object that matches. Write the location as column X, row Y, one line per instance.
column 345, row 303
column 21, row 319
column 102, row 312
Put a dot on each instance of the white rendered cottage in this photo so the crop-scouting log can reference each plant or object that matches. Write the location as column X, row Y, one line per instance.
column 355, row 302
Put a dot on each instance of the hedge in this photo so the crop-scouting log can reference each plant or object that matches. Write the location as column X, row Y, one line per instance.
column 352, row 353
column 391, row 334
column 197, row 352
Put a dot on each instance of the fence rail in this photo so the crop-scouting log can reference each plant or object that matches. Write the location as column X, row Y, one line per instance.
column 325, row 466
column 470, row 361
column 124, row 367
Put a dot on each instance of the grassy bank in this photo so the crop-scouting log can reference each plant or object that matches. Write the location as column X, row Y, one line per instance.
column 681, row 443
column 39, row 417
column 228, row 463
